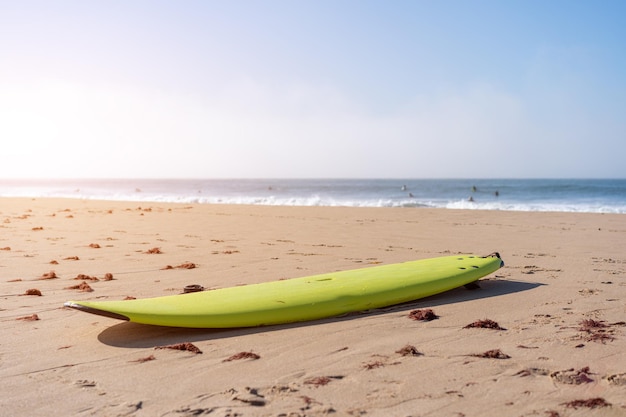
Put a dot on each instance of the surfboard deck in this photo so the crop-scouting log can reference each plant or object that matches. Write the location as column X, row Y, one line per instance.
column 301, row 299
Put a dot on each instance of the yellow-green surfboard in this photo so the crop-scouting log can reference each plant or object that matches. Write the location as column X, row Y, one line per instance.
column 301, row 299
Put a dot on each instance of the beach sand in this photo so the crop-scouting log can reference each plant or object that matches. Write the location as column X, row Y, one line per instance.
column 560, row 300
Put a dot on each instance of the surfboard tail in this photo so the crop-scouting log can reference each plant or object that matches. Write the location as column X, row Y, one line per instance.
column 495, row 255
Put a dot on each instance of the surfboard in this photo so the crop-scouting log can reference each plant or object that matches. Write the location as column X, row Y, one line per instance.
column 301, row 299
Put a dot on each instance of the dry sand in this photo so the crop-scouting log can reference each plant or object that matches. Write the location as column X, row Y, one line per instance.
column 560, row 299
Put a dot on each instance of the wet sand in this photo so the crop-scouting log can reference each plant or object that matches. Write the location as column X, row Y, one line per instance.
column 560, row 349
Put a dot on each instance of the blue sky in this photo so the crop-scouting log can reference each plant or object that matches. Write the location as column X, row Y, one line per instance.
column 312, row 88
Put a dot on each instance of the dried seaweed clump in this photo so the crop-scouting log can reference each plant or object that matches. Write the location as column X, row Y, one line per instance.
column 409, row 350
column 373, row 365
column 189, row 347
column 83, row 286
column 154, row 251
column 187, row 265
column 94, row 246
column 192, row 288
column 589, row 325
column 49, row 275
column 33, row 291
column 492, row 354
column 318, row 381
column 597, row 331
column 86, row 277
column 242, row 355
column 484, row 324
column 108, row 276
column 423, row 315
column 32, row 317
column 590, row 403
column 146, row 359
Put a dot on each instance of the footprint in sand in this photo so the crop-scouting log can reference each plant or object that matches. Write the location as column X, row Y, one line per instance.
column 617, row 379
column 572, row 376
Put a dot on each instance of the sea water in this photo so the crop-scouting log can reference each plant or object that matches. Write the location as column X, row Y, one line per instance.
column 562, row 195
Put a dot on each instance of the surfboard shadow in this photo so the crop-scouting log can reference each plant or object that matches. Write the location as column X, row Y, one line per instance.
column 133, row 335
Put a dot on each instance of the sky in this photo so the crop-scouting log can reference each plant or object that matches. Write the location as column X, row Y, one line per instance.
column 312, row 89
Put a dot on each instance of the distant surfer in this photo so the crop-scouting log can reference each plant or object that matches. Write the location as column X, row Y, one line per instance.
column 404, row 188
column 497, row 193
column 471, row 199
column 474, row 189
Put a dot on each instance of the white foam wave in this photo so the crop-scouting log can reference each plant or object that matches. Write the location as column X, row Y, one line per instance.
column 540, row 207
column 313, row 200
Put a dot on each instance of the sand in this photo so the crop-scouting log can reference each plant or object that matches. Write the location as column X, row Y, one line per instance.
column 559, row 300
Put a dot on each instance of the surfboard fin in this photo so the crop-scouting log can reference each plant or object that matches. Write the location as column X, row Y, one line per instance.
column 472, row 286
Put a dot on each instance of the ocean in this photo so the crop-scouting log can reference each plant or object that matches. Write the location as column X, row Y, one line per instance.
column 546, row 195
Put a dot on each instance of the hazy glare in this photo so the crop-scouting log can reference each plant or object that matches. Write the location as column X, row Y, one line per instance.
column 312, row 89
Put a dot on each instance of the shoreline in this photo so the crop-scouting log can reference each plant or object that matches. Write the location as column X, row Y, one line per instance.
column 528, row 195
column 99, row 200
column 560, row 269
